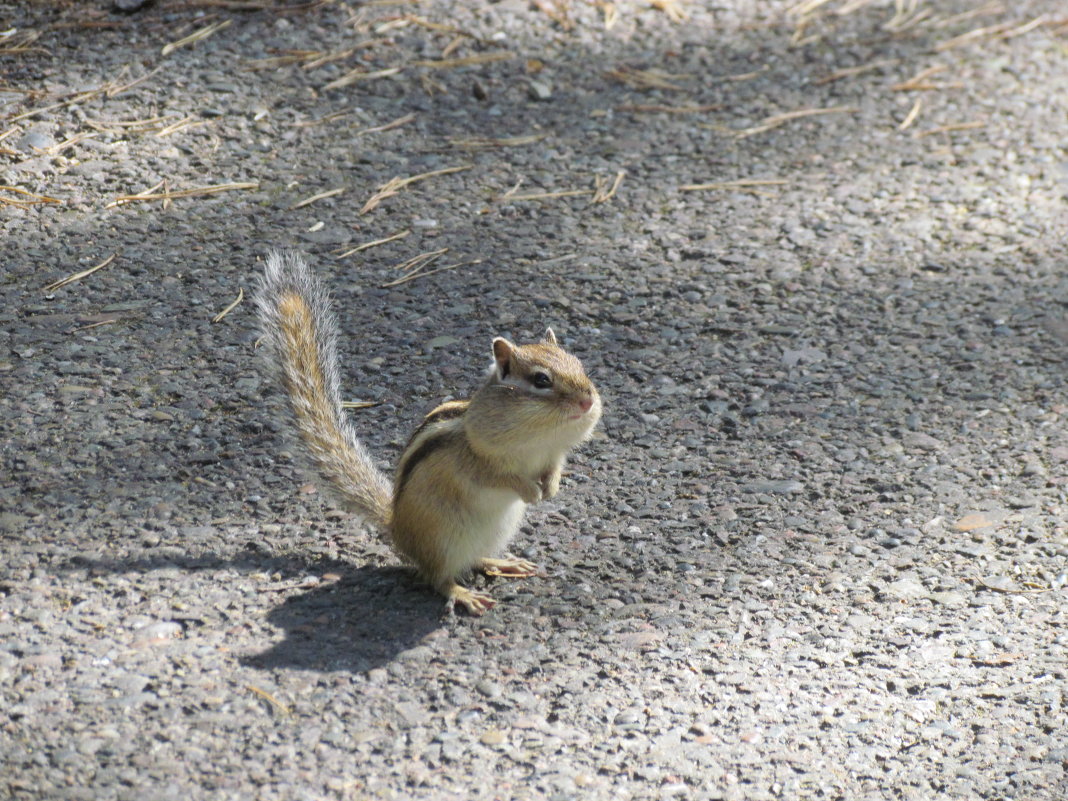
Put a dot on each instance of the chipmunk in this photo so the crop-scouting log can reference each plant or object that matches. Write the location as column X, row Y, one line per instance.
column 469, row 470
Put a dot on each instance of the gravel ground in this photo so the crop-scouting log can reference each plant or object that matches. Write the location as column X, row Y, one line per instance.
column 818, row 547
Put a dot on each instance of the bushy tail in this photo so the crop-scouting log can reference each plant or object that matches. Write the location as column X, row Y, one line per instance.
column 300, row 333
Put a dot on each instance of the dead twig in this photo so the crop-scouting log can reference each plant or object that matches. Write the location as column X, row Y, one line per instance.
column 548, row 195
column 955, row 126
column 337, row 115
column 277, row 705
column 361, row 75
column 70, row 279
column 174, row 127
column 741, row 183
column 115, row 91
column 642, row 108
column 485, row 143
column 389, row 126
column 204, row 190
column 394, row 185
column 240, row 297
column 196, row 36
column 37, row 199
column 376, row 242
column 849, row 72
column 603, row 192
column 914, row 112
column 465, row 61
column 647, row 79
column 420, row 270
column 919, row 82
column 321, row 196
column 776, row 120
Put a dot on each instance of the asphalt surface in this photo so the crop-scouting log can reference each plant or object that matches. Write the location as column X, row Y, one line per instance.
column 817, row 548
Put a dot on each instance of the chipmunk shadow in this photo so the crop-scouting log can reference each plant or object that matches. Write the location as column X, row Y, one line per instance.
column 359, row 622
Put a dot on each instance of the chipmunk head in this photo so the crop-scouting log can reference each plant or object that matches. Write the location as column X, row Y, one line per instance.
column 546, row 374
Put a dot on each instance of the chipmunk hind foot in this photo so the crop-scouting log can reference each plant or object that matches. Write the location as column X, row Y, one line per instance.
column 476, row 603
column 507, row 568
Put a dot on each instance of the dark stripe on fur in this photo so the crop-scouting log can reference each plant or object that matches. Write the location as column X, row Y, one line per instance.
column 444, row 412
column 432, row 443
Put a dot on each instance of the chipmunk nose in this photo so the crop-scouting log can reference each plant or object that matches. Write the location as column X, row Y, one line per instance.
column 586, row 403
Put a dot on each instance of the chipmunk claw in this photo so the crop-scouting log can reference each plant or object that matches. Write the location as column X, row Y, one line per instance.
column 508, row 568
column 476, row 603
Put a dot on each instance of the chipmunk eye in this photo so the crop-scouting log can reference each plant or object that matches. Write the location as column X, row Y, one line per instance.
column 541, row 380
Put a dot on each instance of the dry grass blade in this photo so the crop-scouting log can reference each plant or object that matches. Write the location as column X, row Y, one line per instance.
column 806, row 8
column 982, row 11
column 954, row 126
column 37, row 199
column 70, row 279
column 849, row 72
column 1005, row 30
column 17, row 42
column 609, row 12
column 485, row 143
column 321, row 196
column 361, row 75
column 465, row 61
column 59, row 147
column 647, row 79
column 425, row 273
column 127, row 126
column 907, row 15
column 319, row 59
column 360, row 404
column 746, row 76
column 277, row 705
column 376, row 242
column 559, row 11
column 97, row 324
column 240, row 297
column 389, row 126
column 673, row 8
column 919, row 82
column 78, row 98
column 394, row 185
column 914, row 112
column 548, row 195
column 603, row 191
column 204, row 190
column 422, row 22
column 653, row 108
column 118, row 89
column 337, row 115
column 414, row 266
column 741, row 183
column 286, row 58
column 852, row 6
column 195, row 36
column 1027, row 27
column 174, row 127
column 777, row 120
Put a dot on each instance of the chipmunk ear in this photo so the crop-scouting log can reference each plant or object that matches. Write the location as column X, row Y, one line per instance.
column 502, row 355
column 549, row 338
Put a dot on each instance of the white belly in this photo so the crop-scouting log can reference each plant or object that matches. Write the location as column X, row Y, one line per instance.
column 486, row 530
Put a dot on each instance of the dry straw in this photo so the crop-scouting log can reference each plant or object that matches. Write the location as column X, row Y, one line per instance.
column 240, row 297
column 196, row 36
column 70, row 279
column 203, row 190
column 375, row 243
column 776, row 120
column 394, row 185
